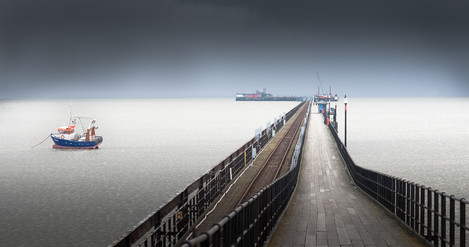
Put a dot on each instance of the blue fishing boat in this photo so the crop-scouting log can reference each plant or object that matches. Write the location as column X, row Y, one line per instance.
column 68, row 138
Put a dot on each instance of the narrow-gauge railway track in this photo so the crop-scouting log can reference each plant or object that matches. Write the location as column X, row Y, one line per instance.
column 271, row 169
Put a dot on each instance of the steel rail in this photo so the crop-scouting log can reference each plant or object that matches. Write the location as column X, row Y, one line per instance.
column 297, row 125
column 277, row 173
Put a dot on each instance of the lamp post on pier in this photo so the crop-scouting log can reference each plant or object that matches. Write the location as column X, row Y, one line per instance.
column 345, row 125
column 335, row 117
column 329, row 112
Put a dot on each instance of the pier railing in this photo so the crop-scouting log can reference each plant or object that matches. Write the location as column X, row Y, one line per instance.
column 167, row 225
column 434, row 215
column 250, row 223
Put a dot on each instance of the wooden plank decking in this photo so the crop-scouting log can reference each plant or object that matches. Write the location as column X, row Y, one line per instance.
column 327, row 209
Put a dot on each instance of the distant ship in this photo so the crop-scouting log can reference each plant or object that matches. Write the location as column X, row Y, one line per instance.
column 325, row 98
column 264, row 96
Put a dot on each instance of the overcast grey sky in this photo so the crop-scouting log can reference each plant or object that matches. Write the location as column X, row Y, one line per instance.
column 215, row 48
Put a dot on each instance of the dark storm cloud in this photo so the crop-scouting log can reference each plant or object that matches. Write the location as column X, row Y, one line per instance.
column 215, row 48
column 384, row 48
column 391, row 13
column 52, row 43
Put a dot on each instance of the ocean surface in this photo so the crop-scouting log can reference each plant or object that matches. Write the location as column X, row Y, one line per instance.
column 152, row 149
column 423, row 140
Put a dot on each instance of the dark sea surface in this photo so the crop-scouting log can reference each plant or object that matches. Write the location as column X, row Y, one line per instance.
column 152, row 149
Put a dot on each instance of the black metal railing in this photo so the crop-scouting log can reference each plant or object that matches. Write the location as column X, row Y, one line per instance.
column 250, row 223
column 434, row 215
column 167, row 225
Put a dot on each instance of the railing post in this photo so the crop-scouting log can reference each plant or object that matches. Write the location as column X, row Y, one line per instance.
column 153, row 239
column 435, row 218
column 206, row 243
column 452, row 213
column 388, row 193
column 417, row 207
column 398, row 197
column 399, row 200
column 429, row 212
column 248, row 220
column 216, row 238
column 408, row 211
column 394, row 194
column 412, row 206
column 443, row 219
column 462, row 221
column 382, row 189
column 165, row 234
column 226, row 232
column 156, row 236
column 257, row 228
column 422, row 210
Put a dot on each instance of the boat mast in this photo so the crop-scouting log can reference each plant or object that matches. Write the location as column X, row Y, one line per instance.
column 70, row 120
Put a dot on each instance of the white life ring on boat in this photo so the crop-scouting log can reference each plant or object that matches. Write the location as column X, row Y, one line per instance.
column 62, row 137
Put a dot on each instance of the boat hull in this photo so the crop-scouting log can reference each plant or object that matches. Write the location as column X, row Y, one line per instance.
column 67, row 144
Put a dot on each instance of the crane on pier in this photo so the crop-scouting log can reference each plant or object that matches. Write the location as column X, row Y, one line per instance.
column 321, row 96
column 320, row 84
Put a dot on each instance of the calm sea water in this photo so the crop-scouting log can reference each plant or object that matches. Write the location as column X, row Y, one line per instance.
column 424, row 140
column 152, row 149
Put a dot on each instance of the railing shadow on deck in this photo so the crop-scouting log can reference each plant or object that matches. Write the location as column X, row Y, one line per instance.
column 167, row 225
column 437, row 217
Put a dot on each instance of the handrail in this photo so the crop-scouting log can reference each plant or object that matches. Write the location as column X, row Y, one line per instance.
column 421, row 208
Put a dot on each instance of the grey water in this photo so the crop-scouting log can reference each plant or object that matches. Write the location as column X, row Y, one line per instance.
column 423, row 140
column 152, row 149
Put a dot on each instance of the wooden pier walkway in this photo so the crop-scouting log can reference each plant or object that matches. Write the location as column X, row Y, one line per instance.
column 327, row 209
